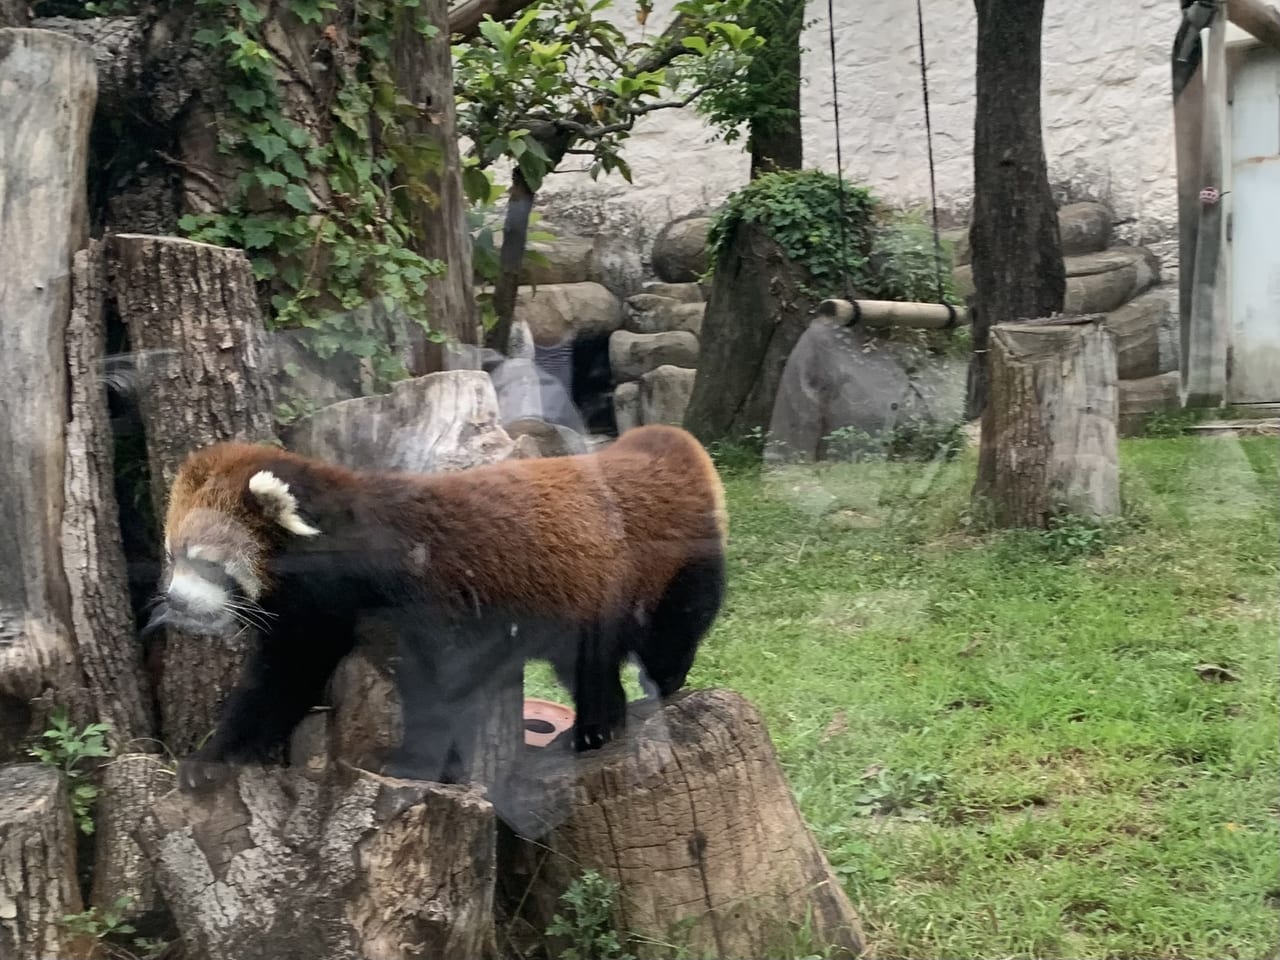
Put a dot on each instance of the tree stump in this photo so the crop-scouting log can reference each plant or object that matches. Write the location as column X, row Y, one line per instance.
column 277, row 866
column 756, row 313
column 441, row 422
column 47, row 95
column 92, row 551
column 129, row 785
column 691, row 815
column 37, row 865
column 1049, row 429
column 192, row 315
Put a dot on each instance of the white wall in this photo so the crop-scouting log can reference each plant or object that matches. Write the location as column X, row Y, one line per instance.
column 1107, row 110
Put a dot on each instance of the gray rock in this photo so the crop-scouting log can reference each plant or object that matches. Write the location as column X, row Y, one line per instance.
column 684, row 292
column 665, row 393
column 555, row 312
column 632, row 355
column 547, row 439
column 650, row 313
column 626, row 406
column 1101, row 282
column 1143, row 328
column 617, row 264
column 1147, row 395
column 1084, row 228
column 680, row 252
column 566, row 259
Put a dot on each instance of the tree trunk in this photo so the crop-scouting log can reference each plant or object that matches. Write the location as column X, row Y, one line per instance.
column 691, row 815
column 755, row 315
column 515, row 238
column 1017, row 255
column 192, row 316
column 424, row 75
column 129, row 785
column 47, row 92
column 1049, row 428
column 776, row 141
column 441, row 422
column 275, row 866
column 37, row 865
column 92, row 553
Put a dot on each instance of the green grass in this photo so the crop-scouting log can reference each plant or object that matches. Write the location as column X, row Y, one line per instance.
column 1004, row 748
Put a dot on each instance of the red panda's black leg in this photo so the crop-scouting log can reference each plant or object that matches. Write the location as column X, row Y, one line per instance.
column 598, row 694
column 680, row 620
column 283, row 679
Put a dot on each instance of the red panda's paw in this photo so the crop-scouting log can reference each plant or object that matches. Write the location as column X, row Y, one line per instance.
column 591, row 736
column 196, row 775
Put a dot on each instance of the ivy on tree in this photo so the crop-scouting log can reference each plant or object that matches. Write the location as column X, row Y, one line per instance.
column 562, row 81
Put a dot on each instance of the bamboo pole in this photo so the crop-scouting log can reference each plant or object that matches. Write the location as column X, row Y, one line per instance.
column 892, row 313
column 1257, row 18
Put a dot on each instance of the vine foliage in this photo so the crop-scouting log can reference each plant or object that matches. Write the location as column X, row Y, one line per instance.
column 322, row 198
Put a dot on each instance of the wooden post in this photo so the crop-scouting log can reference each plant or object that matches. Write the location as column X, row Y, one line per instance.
column 692, row 816
column 1257, row 18
column 191, row 311
column 1049, row 430
column 37, row 865
column 276, row 866
column 892, row 313
column 47, row 94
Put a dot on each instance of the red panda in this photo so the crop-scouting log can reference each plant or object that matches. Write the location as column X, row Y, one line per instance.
column 583, row 561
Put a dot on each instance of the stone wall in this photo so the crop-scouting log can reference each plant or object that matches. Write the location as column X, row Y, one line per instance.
column 1107, row 111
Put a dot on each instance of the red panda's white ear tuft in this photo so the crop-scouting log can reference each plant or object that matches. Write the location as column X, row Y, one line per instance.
column 279, row 503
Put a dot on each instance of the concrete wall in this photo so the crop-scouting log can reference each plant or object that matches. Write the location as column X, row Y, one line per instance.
column 1107, row 109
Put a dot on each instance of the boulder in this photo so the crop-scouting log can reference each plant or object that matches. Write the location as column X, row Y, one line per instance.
column 650, row 313
column 1143, row 330
column 538, row 438
column 626, row 406
column 632, row 355
column 1101, row 282
column 617, row 264
column 680, row 252
column 566, row 259
column 1084, row 228
column 684, row 292
column 664, row 394
column 558, row 311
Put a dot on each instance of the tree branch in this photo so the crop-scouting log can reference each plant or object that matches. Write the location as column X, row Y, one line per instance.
column 464, row 19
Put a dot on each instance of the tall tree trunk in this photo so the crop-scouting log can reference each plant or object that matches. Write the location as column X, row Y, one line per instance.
column 775, row 140
column 1017, row 255
column 515, row 238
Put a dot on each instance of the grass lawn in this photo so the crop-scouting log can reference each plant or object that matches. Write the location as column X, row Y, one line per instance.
column 1002, row 741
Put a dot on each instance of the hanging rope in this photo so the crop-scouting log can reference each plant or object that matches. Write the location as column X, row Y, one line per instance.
column 835, row 106
column 928, row 134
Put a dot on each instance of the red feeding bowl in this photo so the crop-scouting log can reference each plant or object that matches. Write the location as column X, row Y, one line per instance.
column 544, row 721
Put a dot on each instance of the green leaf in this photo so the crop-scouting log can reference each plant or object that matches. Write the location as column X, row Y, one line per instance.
column 297, row 197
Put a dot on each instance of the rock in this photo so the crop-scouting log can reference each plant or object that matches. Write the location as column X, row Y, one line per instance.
column 664, row 394
column 566, row 259
column 684, row 292
column 548, row 439
column 1084, row 228
column 1101, row 282
column 626, row 406
column 1138, row 398
column 959, row 241
column 555, row 312
column 962, row 277
column 680, row 252
column 650, row 313
column 616, row 264
column 631, row 355
column 1141, row 328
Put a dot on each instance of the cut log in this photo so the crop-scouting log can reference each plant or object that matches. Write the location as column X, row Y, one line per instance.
column 37, row 865
column 275, row 866
column 1139, row 398
column 1144, row 345
column 1049, row 431
column 756, row 313
column 441, row 422
column 691, row 815
column 192, row 315
column 128, row 786
column 891, row 313
column 92, row 551
column 47, row 95
column 632, row 355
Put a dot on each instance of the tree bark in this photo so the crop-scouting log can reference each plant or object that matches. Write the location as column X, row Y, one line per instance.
column 275, row 866
column 755, row 315
column 1017, row 255
column 192, row 317
column 423, row 71
column 515, row 239
column 129, row 785
column 692, row 816
column 1048, row 442
column 92, row 552
column 465, row 18
column 47, row 94
column 13, row 13
column 37, row 865
column 776, row 141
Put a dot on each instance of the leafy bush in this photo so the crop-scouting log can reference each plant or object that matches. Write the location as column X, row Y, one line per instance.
column 65, row 749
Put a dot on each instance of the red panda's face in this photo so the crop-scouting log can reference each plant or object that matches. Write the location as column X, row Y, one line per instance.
column 224, row 517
